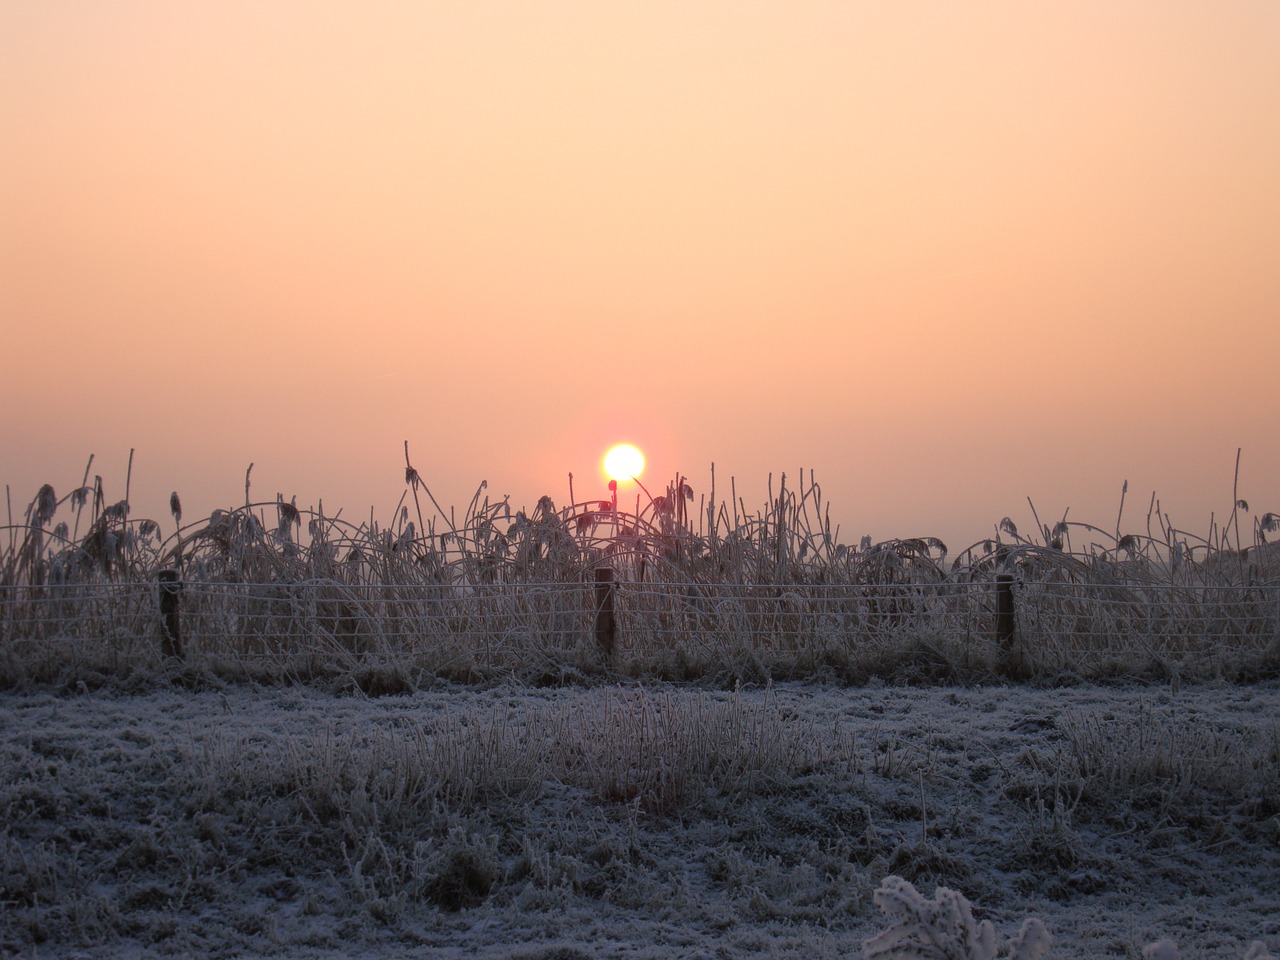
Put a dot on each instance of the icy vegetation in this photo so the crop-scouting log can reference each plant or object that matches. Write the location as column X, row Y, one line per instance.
column 679, row 731
column 639, row 820
column 943, row 928
column 706, row 592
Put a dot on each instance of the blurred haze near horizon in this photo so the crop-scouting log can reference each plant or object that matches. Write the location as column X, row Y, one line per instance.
column 947, row 256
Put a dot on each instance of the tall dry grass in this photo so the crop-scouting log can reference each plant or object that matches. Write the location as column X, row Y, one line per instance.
column 706, row 590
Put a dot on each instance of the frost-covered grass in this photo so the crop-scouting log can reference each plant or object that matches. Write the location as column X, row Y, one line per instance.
column 412, row 739
column 705, row 591
column 639, row 820
column 678, row 535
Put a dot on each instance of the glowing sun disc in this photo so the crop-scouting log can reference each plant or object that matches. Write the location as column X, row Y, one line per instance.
column 624, row 461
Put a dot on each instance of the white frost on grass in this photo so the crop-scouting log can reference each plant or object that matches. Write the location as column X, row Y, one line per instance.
column 944, row 929
column 289, row 822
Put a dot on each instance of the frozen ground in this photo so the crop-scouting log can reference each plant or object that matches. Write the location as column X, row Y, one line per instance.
column 584, row 822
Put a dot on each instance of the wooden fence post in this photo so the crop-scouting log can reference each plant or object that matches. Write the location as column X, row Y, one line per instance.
column 606, row 624
column 1006, row 627
column 170, row 616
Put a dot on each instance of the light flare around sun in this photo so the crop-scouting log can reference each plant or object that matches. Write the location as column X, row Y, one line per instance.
column 623, row 462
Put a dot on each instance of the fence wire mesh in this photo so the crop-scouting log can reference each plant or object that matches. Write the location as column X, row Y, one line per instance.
column 678, row 629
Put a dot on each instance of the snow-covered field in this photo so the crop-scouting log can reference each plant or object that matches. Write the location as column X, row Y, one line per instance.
column 146, row 820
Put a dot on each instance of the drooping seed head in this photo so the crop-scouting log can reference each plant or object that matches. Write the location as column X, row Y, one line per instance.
column 46, row 505
column 288, row 513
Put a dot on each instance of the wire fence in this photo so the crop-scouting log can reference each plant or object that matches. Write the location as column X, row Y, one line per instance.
column 850, row 631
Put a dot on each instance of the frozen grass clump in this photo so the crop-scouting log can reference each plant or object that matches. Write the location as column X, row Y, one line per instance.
column 944, row 929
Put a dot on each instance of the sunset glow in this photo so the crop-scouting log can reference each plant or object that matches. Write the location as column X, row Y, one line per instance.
column 948, row 256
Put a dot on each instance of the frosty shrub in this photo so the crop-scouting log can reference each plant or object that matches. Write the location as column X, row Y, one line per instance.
column 943, row 929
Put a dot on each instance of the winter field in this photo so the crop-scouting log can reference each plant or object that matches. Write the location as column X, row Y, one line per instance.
column 631, row 819
column 690, row 731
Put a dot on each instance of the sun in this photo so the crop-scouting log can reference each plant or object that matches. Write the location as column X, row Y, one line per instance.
column 623, row 462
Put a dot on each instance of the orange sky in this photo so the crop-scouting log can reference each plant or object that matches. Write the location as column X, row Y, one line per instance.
column 950, row 256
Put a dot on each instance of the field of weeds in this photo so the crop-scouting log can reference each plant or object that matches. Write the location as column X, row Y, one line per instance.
column 632, row 820
column 682, row 588
column 683, row 730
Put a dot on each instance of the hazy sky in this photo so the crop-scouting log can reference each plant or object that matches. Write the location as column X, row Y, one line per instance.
column 947, row 255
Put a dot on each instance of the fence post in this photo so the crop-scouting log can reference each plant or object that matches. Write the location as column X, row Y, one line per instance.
column 170, row 616
column 1006, row 629
column 606, row 624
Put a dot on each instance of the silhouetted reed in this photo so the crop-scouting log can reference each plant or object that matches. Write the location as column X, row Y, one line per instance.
column 706, row 590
